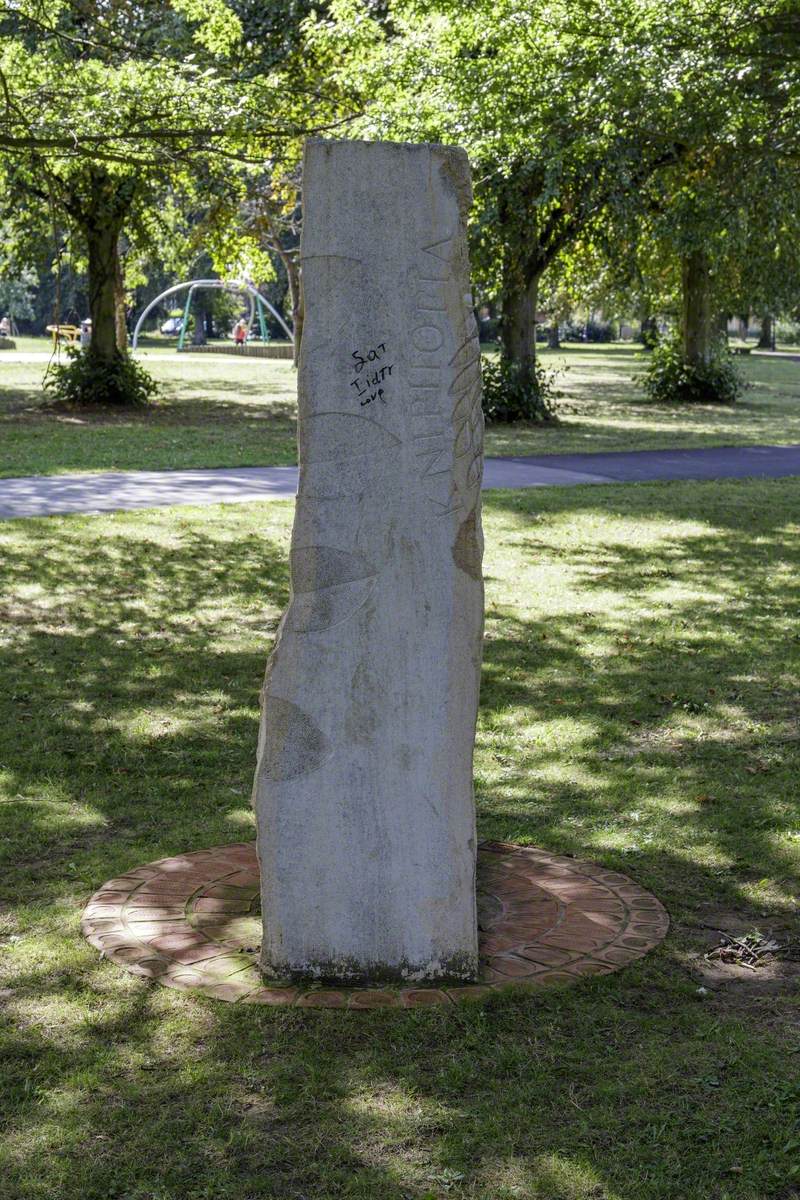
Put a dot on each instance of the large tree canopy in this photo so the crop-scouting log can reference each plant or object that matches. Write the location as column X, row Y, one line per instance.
column 659, row 138
column 570, row 112
column 109, row 108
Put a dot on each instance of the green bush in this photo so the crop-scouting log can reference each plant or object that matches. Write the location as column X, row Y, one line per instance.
column 669, row 379
column 649, row 335
column 87, row 380
column 511, row 394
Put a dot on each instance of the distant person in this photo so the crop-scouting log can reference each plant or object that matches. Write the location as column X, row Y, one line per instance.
column 240, row 332
column 5, row 327
column 86, row 332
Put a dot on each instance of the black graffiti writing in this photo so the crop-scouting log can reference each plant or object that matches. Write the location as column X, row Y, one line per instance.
column 379, row 395
column 367, row 383
column 371, row 356
column 369, row 378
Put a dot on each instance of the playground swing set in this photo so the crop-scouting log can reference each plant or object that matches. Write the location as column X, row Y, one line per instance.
column 259, row 306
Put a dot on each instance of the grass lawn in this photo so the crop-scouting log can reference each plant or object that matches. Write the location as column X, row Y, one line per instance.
column 219, row 411
column 639, row 708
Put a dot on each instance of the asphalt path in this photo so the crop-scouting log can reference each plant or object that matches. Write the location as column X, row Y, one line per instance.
column 112, row 491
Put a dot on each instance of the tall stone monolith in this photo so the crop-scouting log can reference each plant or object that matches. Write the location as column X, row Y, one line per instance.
column 363, row 793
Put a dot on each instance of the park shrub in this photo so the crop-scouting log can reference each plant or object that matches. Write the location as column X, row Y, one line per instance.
column 601, row 331
column 787, row 332
column 510, row 393
column 669, row 378
column 87, row 380
column 649, row 336
column 589, row 331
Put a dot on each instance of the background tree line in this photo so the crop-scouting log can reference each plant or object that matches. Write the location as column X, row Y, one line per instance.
column 635, row 156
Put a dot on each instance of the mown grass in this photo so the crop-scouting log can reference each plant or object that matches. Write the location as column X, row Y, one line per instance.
column 217, row 411
column 213, row 411
column 639, row 708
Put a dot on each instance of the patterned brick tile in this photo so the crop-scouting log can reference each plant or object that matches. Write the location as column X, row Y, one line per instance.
column 364, row 998
column 190, row 955
column 322, row 999
column 230, row 990
column 546, row 956
column 191, row 923
column 284, row 995
column 208, row 904
column 416, row 997
column 163, row 912
column 513, row 967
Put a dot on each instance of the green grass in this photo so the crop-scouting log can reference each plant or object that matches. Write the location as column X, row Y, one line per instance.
column 639, row 708
column 214, row 410
column 220, row 411
column 603, row 408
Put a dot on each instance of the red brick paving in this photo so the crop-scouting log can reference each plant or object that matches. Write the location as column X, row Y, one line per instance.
column 191, row 923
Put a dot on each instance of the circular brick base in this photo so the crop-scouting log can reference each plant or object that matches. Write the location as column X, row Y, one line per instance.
column 192, row 923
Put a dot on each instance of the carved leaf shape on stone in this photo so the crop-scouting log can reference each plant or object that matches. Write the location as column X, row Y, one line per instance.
column 467, row 414
column 345, row 454
column 469, row 399
column 328, row 586
column 327, row 436
column 467, row 362
column 292, row 744
column 467, row 354
column 475, row 471
column 468, row 546
column 467, row 437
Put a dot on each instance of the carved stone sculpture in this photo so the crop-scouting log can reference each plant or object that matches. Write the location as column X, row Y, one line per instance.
column 363, row 792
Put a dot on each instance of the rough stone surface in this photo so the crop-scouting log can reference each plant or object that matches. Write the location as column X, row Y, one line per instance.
column 543, row 920
column 363, row 792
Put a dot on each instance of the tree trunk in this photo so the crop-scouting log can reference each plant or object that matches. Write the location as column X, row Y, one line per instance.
column 767, row 339
column 99, row 204
column 648, row 329
column 119, row 304
column 553, row 340
column 294, row 276
column 101, row 239
column 523, row 264
column 200, row 316
column 518, row 324
column 697, row 324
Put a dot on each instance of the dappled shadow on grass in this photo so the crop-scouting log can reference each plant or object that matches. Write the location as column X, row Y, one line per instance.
column 172, row 408
column 628, row 1088
column 134, row 648
column 686, row 689
column 19, row 400
column 134, row 627
column 152, row 633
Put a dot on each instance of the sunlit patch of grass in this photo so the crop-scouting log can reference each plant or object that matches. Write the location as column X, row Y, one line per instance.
column 218, row 411
column 638, row 709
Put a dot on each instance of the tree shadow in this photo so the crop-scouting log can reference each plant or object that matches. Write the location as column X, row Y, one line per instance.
column 706, row 703
column 627, row 1088
column 133, row 625
column 624, row 1089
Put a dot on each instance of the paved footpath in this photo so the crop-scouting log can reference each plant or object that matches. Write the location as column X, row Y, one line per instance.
column 43, row 495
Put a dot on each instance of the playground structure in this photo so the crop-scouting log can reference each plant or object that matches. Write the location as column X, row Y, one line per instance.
column 258, row 305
